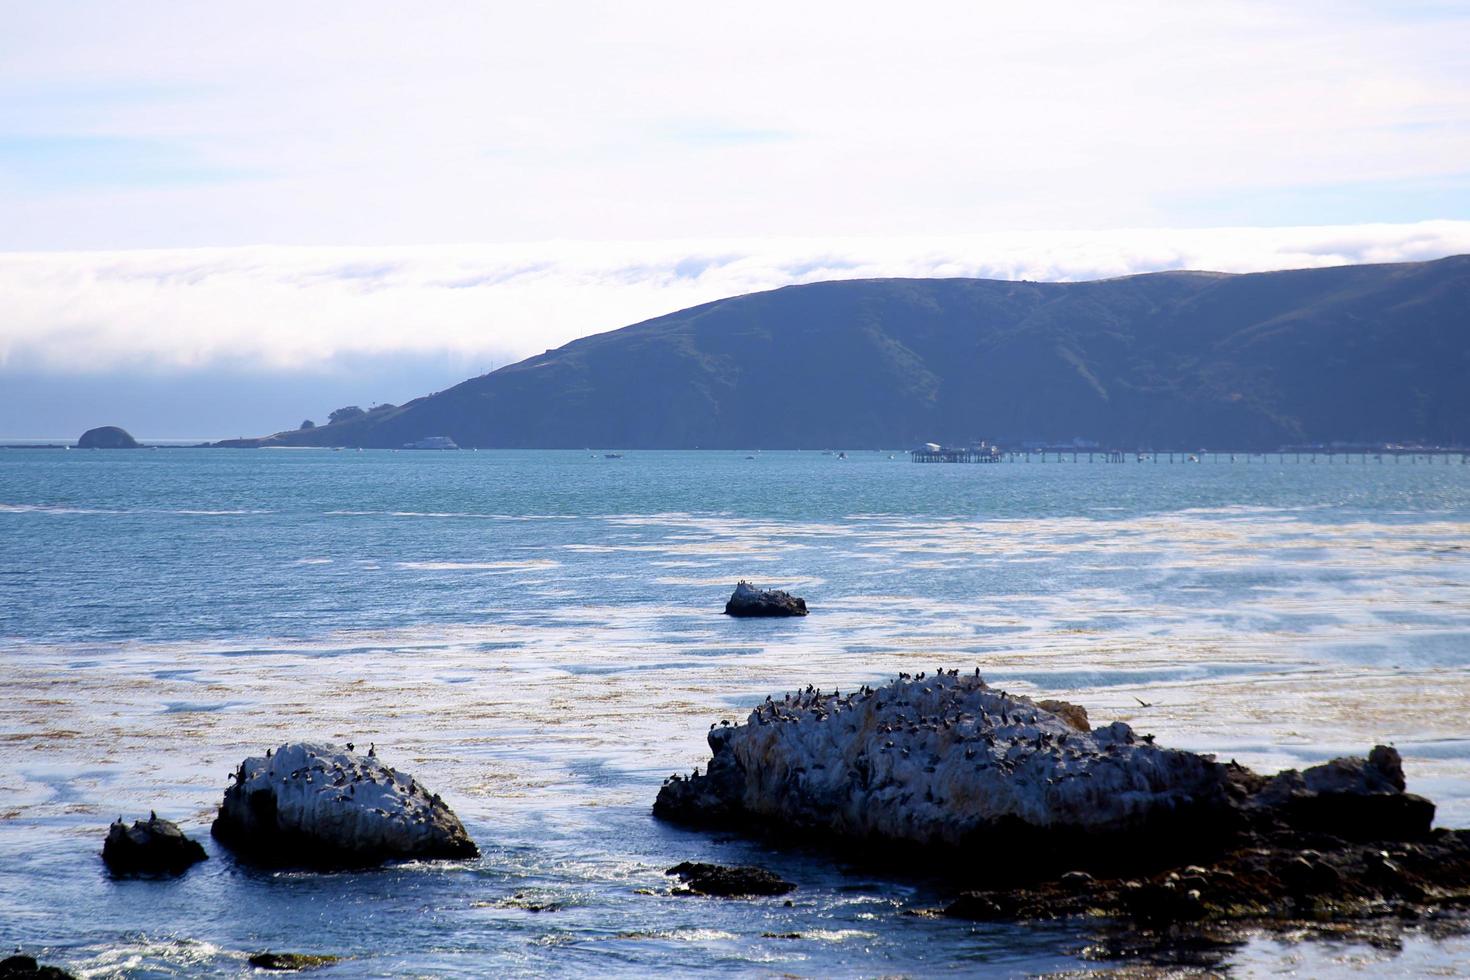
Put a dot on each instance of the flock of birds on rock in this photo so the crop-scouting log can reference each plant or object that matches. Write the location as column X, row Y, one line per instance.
column 935, row 719
column 349, row 777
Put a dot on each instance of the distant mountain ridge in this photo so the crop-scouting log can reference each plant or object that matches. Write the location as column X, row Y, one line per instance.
column 1363, row 354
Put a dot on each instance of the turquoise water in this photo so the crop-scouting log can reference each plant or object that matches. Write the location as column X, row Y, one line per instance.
column 536, row 636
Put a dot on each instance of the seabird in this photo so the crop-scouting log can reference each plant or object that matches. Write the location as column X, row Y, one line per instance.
column 372, row 750
column 1142, row 702
column 152, row 816
column 351, row 747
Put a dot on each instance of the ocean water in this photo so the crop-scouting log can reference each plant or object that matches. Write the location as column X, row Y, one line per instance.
column 537, row 637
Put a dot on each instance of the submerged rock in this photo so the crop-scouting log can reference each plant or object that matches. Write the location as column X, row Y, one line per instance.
column 747, row 600
column 291, row 961
column 107, row 437
column 727, row 882
column 152, row 846
column 1273, row 876
column 970, row 775
column 311, row 804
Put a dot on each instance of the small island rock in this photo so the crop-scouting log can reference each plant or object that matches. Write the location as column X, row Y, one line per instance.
column 747, row 600
column 107, row 437
column 318, row 806
column 152, row 846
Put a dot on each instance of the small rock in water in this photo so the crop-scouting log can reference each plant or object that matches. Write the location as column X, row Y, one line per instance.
column 152, row 846
column 747, row 600
column 727, row 882
column 291, row 961
column 313, row 805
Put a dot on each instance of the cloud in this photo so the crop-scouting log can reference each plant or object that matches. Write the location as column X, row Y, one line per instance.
column 380, row 122
column 302, row 309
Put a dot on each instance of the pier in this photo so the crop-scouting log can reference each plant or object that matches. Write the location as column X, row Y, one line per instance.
column 1291, row 455
column 982, row 454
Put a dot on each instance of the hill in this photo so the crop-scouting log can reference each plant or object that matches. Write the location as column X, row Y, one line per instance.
column 1368, row 353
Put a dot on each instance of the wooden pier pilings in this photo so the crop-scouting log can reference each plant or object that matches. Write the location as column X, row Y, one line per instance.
column 980, row 455
column 1211, row 457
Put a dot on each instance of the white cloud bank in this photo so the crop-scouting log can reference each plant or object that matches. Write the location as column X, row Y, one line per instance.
column 275, row 309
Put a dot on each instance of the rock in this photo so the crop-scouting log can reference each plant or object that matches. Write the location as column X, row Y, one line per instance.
column 747, row 600
column 107, row 437
column 959, row 772
column 1270, row 878
column 727, row 882
column 942, row 761
column 313, row 805
column 1073, row 714
column 154, row 846
column 1359, row 799
column 291, row 961
column 980, row 907
column 20, row 967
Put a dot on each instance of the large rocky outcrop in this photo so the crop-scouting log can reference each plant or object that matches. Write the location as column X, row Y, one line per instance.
column 747, row 600
column 315, row 805
column 107, row 437
column 948, row 764
column 152, row 846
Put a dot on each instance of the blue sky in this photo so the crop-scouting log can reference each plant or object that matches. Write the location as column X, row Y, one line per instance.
column 642, row 139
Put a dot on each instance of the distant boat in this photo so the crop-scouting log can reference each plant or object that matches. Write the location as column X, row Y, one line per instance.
column 842, row 455
column 612, row 455
column 750, row 457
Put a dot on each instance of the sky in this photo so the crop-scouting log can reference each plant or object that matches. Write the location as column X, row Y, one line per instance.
column 220, row 219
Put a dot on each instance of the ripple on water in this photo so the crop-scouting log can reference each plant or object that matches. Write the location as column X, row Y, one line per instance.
column 544, row 672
